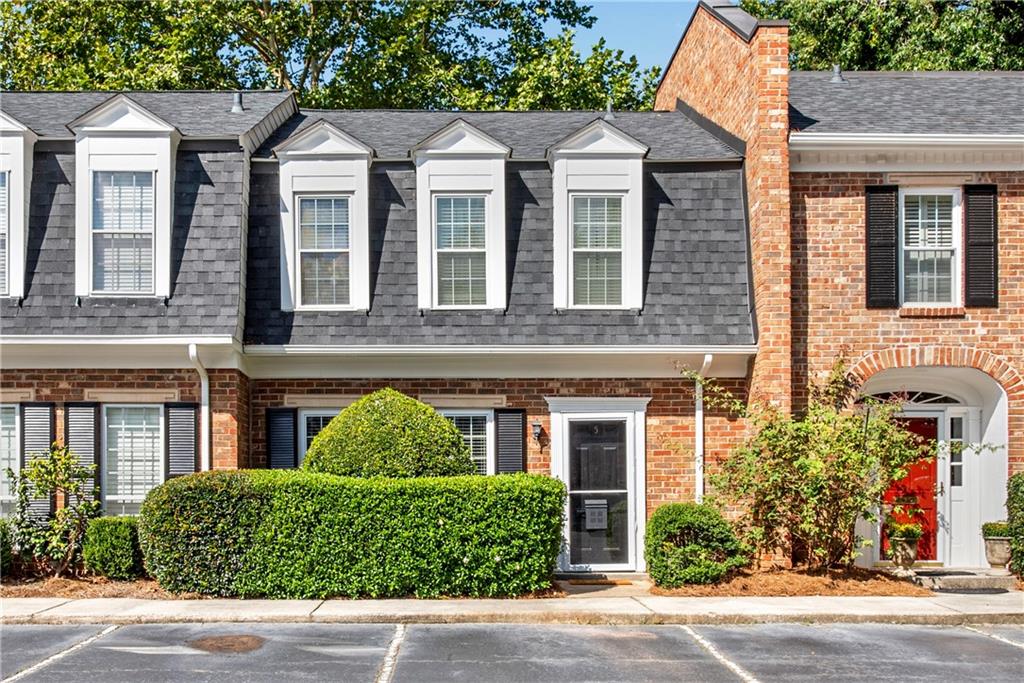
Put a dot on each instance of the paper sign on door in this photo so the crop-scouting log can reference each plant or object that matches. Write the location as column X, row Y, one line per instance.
column 597, row 514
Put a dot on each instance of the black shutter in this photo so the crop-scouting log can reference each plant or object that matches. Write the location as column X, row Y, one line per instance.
column 37, row 435
column 182, row 447
column 282, row 438
column 882, row 248
column 82, row 436
column 510, row 440
column 981, row 239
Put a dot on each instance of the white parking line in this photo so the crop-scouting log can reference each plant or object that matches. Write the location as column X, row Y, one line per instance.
column 995, row 637
column 63, row 653
column 743, row 674
column 387, row 668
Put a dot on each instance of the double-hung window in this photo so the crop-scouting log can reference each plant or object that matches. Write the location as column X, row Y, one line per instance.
column 460, row 250
column 311, row 423
column 324, row 251
column 10, row 455
column 596, row 260
column 477, row 427
column 122, row 232
column 133, row 456
column 930, row 252
column 4, row 232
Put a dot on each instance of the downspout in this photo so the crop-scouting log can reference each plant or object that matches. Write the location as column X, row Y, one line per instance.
column 698, row 428
column 204, row 408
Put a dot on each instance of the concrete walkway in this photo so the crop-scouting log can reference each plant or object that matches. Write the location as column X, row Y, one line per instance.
column 947, row 609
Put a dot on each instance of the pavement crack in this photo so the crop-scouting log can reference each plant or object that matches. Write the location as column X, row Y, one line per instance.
column 63, row 653
column 387, row 667
column 732, row 666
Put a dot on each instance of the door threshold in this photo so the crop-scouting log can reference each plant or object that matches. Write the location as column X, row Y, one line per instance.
column 601, row 578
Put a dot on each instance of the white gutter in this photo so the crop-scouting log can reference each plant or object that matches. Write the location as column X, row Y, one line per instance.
column 468, row 350
column 126, row 339
column 812, row 141
column 204, row 408
column 698, row 430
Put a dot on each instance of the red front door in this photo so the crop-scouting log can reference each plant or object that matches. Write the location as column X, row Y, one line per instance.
column 917, row 491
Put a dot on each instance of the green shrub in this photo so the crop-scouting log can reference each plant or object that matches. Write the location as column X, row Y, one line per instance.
column 1015, row 515
column 111, row 548
column 690, row 543
column 307, row 535
column 6, row 551
column 995, row 530
column 389, row 434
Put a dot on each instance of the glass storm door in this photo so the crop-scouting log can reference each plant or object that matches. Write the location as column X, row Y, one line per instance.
column 599, row 482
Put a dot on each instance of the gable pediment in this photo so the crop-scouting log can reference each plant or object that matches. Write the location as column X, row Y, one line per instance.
column 459, row 137
column 599, row 138
column 9, row 125
column 323, row 138
column 120, row 114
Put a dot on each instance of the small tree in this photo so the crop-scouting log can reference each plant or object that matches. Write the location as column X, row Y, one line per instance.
column 804, row 480
column 54, row 542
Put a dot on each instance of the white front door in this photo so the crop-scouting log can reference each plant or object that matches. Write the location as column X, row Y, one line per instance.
column 599, row 456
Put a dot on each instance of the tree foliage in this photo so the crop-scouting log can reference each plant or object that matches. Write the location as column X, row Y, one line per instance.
column 345, row 54
column 927, row 35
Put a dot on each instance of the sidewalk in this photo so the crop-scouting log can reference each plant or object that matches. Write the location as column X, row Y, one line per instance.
column 948, row 609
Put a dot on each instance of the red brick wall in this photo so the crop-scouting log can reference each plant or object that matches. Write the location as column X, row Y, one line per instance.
column 670, row 417
column 229, row 408
column 744, row 88
column 829, row 314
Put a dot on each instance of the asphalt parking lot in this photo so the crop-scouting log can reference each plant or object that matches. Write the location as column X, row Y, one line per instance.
column 386, row 653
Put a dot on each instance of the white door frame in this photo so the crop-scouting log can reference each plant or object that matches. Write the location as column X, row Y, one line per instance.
column 633, row 411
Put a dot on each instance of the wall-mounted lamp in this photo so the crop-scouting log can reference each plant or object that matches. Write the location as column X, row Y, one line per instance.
column 537, row 431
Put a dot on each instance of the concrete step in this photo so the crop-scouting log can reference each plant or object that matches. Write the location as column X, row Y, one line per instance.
column 965, row 580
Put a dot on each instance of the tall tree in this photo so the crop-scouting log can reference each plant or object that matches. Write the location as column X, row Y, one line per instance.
column 339, row 53
column 928, row 35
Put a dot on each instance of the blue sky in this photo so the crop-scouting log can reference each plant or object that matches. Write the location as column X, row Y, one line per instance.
column 648, row 29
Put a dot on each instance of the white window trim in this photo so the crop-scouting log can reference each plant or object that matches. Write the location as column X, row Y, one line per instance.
column 16, row 155
column 17, row 450
column 121, row 500
column 311, row 412
column 435, row 293
column 957, row 275
column 297, row 284
column 621, row 250
column 5, row 229
column 492, row 446
column 93, row 292
column 323, row 160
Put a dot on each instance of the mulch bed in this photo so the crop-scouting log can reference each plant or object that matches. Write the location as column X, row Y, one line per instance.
column 795, row 582
column 79, row 588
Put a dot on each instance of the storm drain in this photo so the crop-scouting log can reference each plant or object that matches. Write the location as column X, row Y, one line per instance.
column 228, row 644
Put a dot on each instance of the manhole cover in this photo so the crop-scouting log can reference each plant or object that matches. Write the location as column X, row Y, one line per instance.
column 227, row 644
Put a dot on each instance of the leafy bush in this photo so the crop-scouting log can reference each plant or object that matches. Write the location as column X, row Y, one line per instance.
column 690, row 543
column 1015, row 515
column 995, row 530
column 111, row 548
column 389, row 434
column 908, row 531
column 6, row 551
column 288, row 534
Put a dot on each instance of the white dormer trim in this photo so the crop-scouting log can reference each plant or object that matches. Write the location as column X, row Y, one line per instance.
column 16, row 146
column 323, row 160
column 121, row 135
column 460, row 159
column 599, row 159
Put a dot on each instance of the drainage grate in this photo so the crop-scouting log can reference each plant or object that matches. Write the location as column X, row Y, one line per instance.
column 232, row 645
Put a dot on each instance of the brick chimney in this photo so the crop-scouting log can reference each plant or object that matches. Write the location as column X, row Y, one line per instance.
column 732, row 70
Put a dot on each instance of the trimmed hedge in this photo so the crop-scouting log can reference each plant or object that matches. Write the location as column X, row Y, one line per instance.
column 6, row 551
column 288, row 534
column 690, row 543
column 111, row 548
column 389, row 434
column 1015, row 517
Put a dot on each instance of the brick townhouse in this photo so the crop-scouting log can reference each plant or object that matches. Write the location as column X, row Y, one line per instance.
column 201, row 280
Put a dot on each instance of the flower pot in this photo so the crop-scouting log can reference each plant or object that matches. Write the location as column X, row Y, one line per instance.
column 997, row 552
column 903, row 551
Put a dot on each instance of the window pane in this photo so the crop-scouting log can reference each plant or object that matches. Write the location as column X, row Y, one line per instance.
column 325, row 277
column 323, row 223
column 9, row 455
column 928, row 221
column 122, row 262
column 122, row 201
column 928, row 276
column 123, row 251
column 474, row 432
column 134, row 455
column 314, row 425
column 460, row 223
column 597, row 278
column 3, row 234
column 597, row 222
column 461, row 278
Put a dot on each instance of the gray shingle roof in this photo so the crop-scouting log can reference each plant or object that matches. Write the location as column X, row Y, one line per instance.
column 194, row 113
column 392, row 133
column 954, row 102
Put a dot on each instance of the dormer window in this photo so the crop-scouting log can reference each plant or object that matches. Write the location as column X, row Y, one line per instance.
column 4, row 230
column 460, row 219
column 16, row 147
column 597, row 174
column 122, row 232
column 325, row 227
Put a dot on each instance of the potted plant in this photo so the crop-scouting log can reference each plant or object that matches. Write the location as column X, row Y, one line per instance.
column 903, row 538
column 997, row 544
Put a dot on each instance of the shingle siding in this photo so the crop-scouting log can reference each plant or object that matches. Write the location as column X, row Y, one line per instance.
column 205, row 266
column 695, row 269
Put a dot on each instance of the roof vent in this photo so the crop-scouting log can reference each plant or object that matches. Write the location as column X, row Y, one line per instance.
column 837, row 74
column 236, row 104
column 608, row 115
